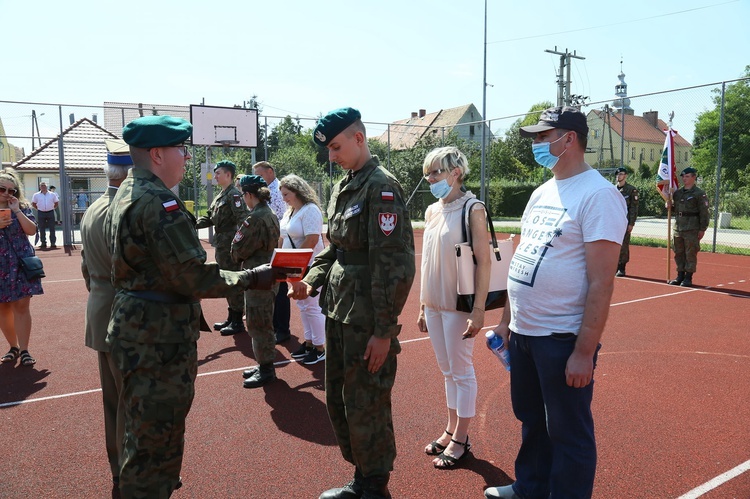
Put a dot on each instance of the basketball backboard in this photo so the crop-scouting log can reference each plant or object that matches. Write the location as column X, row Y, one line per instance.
column 224, row 126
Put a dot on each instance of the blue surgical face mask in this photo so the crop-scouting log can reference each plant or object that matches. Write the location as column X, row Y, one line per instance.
column 440, row 189
column 542, row 154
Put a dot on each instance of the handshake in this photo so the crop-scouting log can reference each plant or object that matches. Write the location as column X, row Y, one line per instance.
column 264, row 276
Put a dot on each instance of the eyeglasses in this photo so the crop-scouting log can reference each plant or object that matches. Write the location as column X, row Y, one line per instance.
column 435, row 173
column 185, row 151
column 12, row 192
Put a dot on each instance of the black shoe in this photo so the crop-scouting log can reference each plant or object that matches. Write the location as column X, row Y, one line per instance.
column 314, row 356
column 352, row 490
column 218, row 326
column 264, row 375
column 302, row 351
column 688, row 281
column 678, row 281
column 620, row 271
column 282, row 337
column 43, row 246
column 54, row 246
column 249, row 373
column 376, row 487
column 235, row 325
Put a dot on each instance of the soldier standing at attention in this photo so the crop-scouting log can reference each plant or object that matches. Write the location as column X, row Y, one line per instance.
column 690, row 206
column 630, row 194
column 226, row 213
column 367, row 271
column 160, row 273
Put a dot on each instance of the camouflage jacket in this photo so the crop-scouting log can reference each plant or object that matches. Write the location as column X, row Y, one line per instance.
column 630, row 194
column 368, row 268
column 155, row 248
column 690, row 208
column 255, row 240
column 226, row 213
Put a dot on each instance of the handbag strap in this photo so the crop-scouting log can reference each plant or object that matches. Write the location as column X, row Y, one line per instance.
column 466, row 228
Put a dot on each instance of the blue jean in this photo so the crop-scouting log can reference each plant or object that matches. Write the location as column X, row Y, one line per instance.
column 557, row 457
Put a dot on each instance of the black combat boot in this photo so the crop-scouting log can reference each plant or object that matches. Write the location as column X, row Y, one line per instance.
column 352, row 490
column 678, row 281
column 687, row 282
column 218, row 326
column 264, row 375
column 376, row 487
column 620, row 270
column 235, row 325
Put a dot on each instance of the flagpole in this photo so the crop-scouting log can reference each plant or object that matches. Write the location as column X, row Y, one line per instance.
column 671, row 198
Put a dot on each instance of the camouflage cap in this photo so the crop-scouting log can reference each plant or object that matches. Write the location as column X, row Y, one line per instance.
column 225, row 163
column 566, row 118
column 689, row 169
column 157, row 131
column 333, row 123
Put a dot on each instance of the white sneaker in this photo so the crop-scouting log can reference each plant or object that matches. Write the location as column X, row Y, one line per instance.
column 505, row 492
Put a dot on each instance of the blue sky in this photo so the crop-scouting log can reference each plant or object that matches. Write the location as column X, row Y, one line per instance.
column 387, row 58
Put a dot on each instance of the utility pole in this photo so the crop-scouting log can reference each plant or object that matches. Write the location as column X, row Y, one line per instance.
column 563, row 82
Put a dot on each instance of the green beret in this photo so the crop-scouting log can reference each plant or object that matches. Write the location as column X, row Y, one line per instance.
column 252, row 182
column 225, row 163
column 333, row 123
column 689, row 169
column 157, row 131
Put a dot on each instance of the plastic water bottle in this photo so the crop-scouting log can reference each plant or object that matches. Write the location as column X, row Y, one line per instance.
column 496, row 346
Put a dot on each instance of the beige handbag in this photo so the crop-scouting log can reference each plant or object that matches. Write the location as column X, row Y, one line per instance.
column 501, row 253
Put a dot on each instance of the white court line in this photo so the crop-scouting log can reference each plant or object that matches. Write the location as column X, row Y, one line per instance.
column 719, row 480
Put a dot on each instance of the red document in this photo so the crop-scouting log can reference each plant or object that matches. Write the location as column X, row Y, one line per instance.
column 294, row 259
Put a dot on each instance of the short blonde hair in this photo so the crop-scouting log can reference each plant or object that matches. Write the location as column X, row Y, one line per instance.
column 448, row 158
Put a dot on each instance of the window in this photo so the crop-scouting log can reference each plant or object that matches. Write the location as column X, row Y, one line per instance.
column 596, row 134
column 652, row 155
column 471, row 129
column 686, row 156
column 632, row 153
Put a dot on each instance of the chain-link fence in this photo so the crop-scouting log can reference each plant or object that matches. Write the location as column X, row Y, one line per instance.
column 63, row 145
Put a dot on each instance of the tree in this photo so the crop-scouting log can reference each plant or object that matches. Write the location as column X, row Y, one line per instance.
column 520, row 147
column 736, row 137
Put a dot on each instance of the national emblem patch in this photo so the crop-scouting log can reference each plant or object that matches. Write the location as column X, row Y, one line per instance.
column 171, row 206
column 387, row 222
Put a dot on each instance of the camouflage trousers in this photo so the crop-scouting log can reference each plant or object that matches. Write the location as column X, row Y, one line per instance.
column 235, row 300
column 157, row 389
column 624, row 250
column 686, row 246
column 259, row 323
column 359, row 402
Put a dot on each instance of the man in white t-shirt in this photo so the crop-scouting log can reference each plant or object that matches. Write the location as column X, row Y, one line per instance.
column 559, row 290
column 45, row 202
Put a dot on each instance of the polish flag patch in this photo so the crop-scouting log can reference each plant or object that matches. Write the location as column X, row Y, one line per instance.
column 170, row 206
column 387, row 222
column 386, row 196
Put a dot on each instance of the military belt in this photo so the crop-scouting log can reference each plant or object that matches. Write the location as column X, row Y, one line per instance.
column 685, row 214
column 162, row 296
column 352, row 257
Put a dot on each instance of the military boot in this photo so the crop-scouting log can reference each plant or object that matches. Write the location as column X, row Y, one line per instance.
column 376, row 487
column 678, row 281
column 235, row 324
column 620, row 270
column 218, row 326
column 352, row 490
column 264, row 375
column 687, row 282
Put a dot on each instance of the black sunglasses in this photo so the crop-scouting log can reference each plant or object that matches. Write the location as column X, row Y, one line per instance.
column 12, row 192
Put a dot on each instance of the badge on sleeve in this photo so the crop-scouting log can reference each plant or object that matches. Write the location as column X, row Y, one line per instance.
column 171, row 206
column 237, row 237
column 237, row 201
column 387, row 222
column 386, row 196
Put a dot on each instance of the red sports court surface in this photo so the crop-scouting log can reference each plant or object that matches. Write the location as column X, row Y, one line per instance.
column 670, row 404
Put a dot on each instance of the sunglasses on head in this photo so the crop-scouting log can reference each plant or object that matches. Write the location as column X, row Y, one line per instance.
column 10, row 191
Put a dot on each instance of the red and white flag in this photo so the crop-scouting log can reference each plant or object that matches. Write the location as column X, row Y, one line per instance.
column 667, row 182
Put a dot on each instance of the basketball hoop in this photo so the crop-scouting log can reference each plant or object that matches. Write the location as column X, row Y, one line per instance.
column 226, row 144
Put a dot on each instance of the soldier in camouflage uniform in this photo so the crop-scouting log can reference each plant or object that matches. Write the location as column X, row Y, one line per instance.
column 630, row 194
column 159, row 271
column 226, row 213
column 253, row 245
column 690, row 207
column 367, row 272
